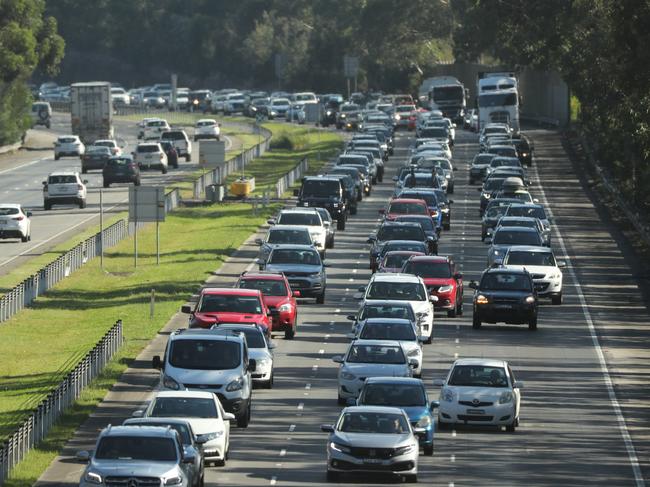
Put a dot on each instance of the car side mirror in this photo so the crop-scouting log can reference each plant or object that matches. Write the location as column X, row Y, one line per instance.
column 451, row 201
column 395, row 178
column 382, row 211
column 139, row 413
column 259, row 241
column 488, row 240
column 351, row 317
column 337, row 359
column 326, row 264
column 296, row 192
column 438, row 382
column 83, row 456
column 371, row 239
column 351, row 401
column 189, row 459
column 229, row 416
column 29, row 213
column 156, row 363
column 434, row 405
column 419, row 431
column 458, row 275
column 361, row 289
column 252, row 365
column 518, row 385
column 327, row 428
column 186, row 309
column 561, row 264
column 350, row 335
column 270, row 222
column 296, row 294
column 535, row 200
column 433, row 299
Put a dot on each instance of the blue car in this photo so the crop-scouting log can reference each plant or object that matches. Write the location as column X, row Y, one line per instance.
column 405, row 393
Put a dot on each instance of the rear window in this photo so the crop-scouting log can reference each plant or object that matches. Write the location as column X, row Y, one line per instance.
column 119, row 162
column 62, row 179
column 269, row 287
column 98, row 150
column 309, row 219
column 229, row 303
column 206, row 124
column 67, row 140
column 172, row 135
column 516, row 238
column 148, row 148
column 399, row 232
column 431, row 270
column 320, row 188
column 285, row 236
column 434, row 132
column 157, row 123
column 8, row 211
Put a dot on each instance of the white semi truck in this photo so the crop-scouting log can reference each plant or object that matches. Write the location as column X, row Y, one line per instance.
column 498, row 99
column 447, row 94
column 91, row 108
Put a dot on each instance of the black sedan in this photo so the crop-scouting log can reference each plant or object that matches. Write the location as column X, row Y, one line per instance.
column 95, row 157
column 505, row 295
column 121, row 169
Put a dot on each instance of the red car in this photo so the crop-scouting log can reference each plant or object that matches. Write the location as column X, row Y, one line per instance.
column 405, row 206
column 278, row 298
column 441, row 277
column 394, row 260
column 228, row 305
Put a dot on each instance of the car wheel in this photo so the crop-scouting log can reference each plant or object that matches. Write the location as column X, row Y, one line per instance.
column 84, row 170
column 289, row 334
column 269, row 383
column 56, row 157
column 82, row 204
column 25, row 238
column 451, row 313
column 411, row 478
column 429, row 340
column 137, row 182
column 476, row 321
column 510, row 428
column 459, row 307
column 374, row 180
column 332, row 476
column 428, row 450
column 442, row 426
column 188, row 157
column 47, row 205
column 353, row 210
column 106, row 184
column 341, row 401
column 360, row 196
column 556, row 299
column 321, row 298
column 447, row 226
column 450, row 189
column 483, row 235
column 532, row 324
column 340, row 223
column 244, row 419
column 164, row 170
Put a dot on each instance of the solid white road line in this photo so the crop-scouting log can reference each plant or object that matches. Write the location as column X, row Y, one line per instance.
column 30, row 163
column 625, row 434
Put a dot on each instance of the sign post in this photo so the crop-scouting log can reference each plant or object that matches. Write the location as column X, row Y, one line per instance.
column 146, row 204
column 351, row 70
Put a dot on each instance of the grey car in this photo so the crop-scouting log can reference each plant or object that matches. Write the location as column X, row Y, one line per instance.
column 282, row 234
column 143, row 453
column 303, row 267
column 191, row 447
column 372, row 439
column 506, row 237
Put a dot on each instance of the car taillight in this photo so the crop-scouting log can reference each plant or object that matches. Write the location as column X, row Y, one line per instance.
column 161, row 157
column 19, row 218
column 132, row 165
column 86, row 157
column 80, row 187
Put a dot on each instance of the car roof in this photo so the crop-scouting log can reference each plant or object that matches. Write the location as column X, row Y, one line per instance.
column 63, row 173
column 481, row 361
column 516, row 229
column 377, row 343
column 392, row 223
column 373, row 409
column 261, row 275
column 406, row 200
column 430, row 258
column 185, row 393
column 206, row 334
column 298, row 209
column 292, row 247
column 10, row 205
column 505, row 270
column 531, row 248
column 289, row 227
column 396, row 276
column 234, row 291
column 139, row 431
column 144, row 421
column 394, row 380
column 397, row 321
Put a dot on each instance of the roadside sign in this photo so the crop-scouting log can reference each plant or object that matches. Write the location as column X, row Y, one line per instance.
column 350, row 66
column 212, row 153
column 146, row 204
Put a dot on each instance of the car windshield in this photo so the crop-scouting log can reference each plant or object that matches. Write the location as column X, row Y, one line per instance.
column 122, row 161
column 105, row 143
column 404, row 245
column 184, row 407
column 370, row 422
column 425, row 223
column 412, row 181
column 152, row 449
column 530, row 257
column 511, row 237
column 503, row 151
column 386, row 311
column 429, row 198
column 505, row 282
column 200, row 354
column 269, row 287
column 495, row 211
column 429, row 270
column 173, row 135
column 320, row 188
column 208, row 123
column 297, row 218
column 498, row 99
column 395, row 261
column 63, row 179
column 530, row 211
column 483, row 159
column 478, row 376
column 394, row 395
column 493, row 183
column 254, row 337
column 399, row 232
column 182, row 429
column 350, row 108
column 407, row 208
column 353, row 160
column 101, row 150
column 401, row 291
column 9, row 211
column 376, row 354
column 294, row 256
column 518, row 222
column 229, row 303
column 388, row 331
column 297, row 237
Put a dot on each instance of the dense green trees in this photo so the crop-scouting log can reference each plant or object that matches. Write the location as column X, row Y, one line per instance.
column 28, row 42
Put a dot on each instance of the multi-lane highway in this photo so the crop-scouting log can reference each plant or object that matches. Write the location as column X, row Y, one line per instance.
column 584, row 417
column 22, row 176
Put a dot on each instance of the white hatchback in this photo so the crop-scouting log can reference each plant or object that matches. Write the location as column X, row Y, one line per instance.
column 542, row 266
column 68, row 145
column 479, row 392
column 15, row 222
column 207, row 128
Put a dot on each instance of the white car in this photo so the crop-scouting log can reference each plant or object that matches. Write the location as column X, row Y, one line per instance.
column 403, row 287
column 479, row 392
column 542, row 266
column 120, row 96
column 370, row 358
column 305, row 217
column 204, row 412
column 64, row 187
column 15, row 222
column 401, row 330
column 278, row 107
column 234, row 103
column 68, row 145
column 154, row 127
column 116, row 150
column 150, row 155
column 207, row 128
column 142, row 123
column 259, row 349
column 218, row 102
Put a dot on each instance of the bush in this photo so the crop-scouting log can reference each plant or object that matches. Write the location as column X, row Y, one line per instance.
column 283, row 142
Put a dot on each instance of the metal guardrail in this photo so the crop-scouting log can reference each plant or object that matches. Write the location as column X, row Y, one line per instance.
column 286, row 181
column 36, row 426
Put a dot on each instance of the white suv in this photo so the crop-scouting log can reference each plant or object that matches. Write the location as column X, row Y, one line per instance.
column 149, row 155
column 64, row 187
column 68, row 145
column 305, row 217
column 403, row 287
column 154, row 127
column 207, row 128
column 542, row 266
column 181, row 142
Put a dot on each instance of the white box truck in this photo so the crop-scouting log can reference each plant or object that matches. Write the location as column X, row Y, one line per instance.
column 447, row 94
column 91, row 107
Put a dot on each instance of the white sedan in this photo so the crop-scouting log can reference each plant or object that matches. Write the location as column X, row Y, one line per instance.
column 479, row 392
column 15, row 222
column 68, row 145
column 207, row 128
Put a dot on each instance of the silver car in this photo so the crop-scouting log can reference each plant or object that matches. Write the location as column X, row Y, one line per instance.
column 369, row 439
column 127, row 453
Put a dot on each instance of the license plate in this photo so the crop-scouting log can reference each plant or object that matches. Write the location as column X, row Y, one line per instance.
column 476, row 411
column 503, row 306
column 3, row 222
column 373, row 461
column 147, row 157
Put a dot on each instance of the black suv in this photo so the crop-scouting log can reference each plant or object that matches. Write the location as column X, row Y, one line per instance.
column 325, row 192
column 525, row 150
column 349, row 189
column 505, row 295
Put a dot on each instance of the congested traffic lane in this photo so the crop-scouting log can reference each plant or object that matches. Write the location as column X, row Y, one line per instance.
column 22, row 184
column 568, row 433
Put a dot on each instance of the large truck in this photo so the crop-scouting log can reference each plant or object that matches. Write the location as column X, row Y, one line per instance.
column 91, row 108
column 447, row 94
column 498, row 99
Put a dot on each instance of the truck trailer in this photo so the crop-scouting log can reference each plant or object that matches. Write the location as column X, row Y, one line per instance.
column 91, row 108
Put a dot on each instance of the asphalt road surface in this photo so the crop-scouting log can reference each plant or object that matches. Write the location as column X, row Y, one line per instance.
column 22, row 175
column 584, row 413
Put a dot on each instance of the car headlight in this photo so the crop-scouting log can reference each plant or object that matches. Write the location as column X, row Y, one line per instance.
column 170, row 383
column 93, row 478
column 339, row 447
column 235, row 385
column 529, row 299
column 347, row 376
column 285, row 308
column 342, row 115
column 495, row 252
column 397, row 117
column 447, row 395
column 446, row 289
column 205, row 437
column 315, row 274
column 414, row 352
column 335, row 205
column 263, row 362
column 506, row 397
column 424, row 422
column 329, row 113
column 175, row 480
column 448, row 176
column 480, row 299
column 403, row 450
